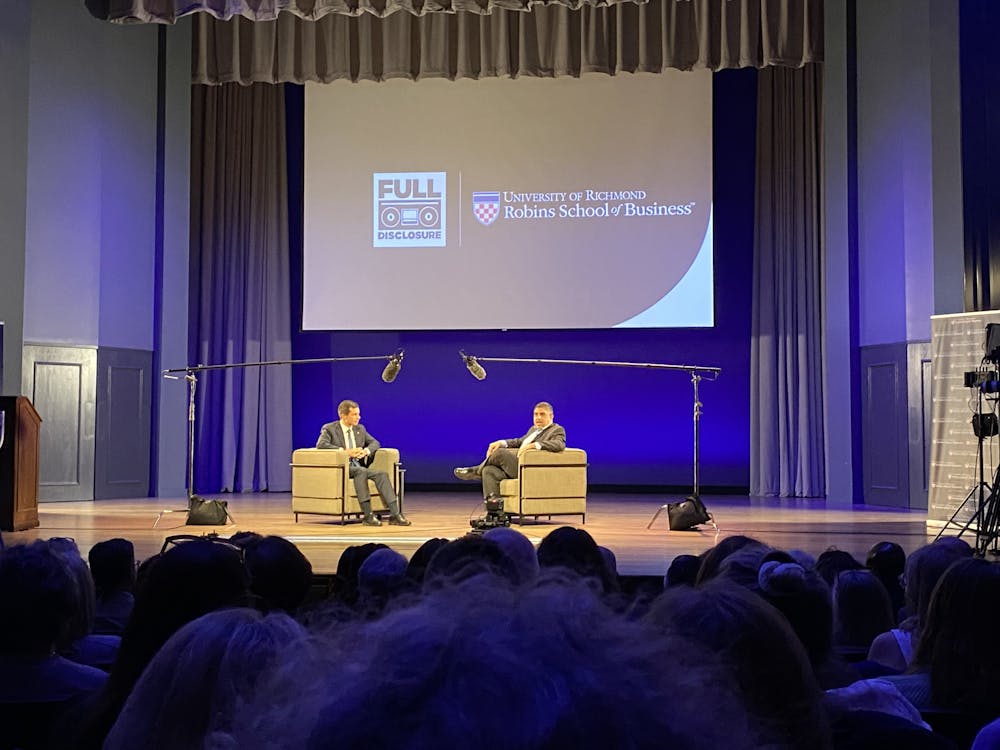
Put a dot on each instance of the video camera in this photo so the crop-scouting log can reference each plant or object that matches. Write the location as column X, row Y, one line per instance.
column 494, row 518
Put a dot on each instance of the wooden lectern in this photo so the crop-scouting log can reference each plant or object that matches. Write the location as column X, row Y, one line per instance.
column 18, row 464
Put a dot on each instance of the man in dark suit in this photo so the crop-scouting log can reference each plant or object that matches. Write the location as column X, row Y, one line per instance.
column 502, row 455
column 348, row 434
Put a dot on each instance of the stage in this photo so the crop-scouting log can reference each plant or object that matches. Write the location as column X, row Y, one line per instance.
column 617, row 521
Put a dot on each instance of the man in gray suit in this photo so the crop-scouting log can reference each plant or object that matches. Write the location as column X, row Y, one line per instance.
column 502, row 455
column 348, row 434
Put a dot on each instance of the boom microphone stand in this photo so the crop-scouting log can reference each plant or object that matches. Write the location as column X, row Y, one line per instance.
column 697, row 373
column 190, row 374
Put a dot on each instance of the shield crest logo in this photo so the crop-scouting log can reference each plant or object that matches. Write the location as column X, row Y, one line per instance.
column 486, row 207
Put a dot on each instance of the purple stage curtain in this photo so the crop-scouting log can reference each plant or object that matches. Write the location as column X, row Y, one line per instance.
column 240, row 298
column 787, row 445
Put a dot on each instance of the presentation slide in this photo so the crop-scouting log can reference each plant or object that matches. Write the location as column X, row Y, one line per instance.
column 509, row 204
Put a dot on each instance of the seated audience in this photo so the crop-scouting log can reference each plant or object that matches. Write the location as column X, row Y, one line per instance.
column 187, row 581
column 712, row 559
column 472, row 557
column 518, row 548
column 755, row 643
column 381, row 578
column 924, row 568
column 888, row 561
column 189, row 694
column 40, row 598
column 683, row 571
column 525, row 668
column 112, row 566
column 861, row 611
column 832, row 562
column 804, row 599
column 576, row 550
column 78, row 642
column 280, row 575
column 417, row 565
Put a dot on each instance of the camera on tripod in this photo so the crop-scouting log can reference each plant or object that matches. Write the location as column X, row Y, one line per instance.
column 494, row 517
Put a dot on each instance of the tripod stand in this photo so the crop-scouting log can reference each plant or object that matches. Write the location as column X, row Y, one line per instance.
column 221, row 509
column 695, row 379
column 986, row 516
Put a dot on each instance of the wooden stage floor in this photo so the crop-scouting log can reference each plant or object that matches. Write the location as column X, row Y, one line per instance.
column 617, row 521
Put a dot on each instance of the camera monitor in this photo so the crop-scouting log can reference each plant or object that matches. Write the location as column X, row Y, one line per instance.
column 993, row 342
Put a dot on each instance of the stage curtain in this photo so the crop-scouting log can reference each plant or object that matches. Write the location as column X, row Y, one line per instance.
column 240, row 298
column 787, row 448
column 979, row 25
column 551, row 40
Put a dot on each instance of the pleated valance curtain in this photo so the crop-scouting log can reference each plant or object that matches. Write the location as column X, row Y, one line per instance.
column 551, row 40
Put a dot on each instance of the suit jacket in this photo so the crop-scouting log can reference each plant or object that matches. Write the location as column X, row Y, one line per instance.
column 332, row 436
column 552, row 438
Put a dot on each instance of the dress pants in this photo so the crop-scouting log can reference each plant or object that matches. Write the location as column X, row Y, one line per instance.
column 361, row 474
column 502, row 464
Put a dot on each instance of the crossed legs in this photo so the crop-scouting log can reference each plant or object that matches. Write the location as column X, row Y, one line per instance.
column 501, row 464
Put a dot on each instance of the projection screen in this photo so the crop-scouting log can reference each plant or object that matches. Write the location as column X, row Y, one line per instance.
column 509, row 204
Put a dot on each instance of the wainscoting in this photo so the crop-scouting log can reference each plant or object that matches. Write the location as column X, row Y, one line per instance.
column 95, row 410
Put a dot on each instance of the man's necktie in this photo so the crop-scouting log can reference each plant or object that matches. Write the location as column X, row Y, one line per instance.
column 351, row 445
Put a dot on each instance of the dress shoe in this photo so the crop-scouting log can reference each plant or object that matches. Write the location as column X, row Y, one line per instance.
column 371, row 521
column 399, row 520
column 468, row 473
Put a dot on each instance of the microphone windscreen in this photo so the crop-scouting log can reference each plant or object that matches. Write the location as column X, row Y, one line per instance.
column 391, row 370
column 476, row 369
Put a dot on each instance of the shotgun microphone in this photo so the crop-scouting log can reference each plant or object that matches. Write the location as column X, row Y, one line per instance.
column 472, row 364
column 392, row 369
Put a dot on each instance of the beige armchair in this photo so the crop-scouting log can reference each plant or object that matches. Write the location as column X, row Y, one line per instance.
column 321, row 482
column 548, row 484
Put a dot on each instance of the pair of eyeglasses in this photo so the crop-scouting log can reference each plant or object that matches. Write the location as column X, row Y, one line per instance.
column 176, row 539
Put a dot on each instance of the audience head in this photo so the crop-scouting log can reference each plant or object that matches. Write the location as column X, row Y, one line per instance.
column 351, row 559
column 683, row 571
column 712, row 559
column 576, row 550
column 518, row 548
column 924, row 569
column 382, row 575
column 861, row 609
column 742, row 566
column 280, row 575
column 958, row 640
column 39, row 598
column 112, row 565
column 472, row 557
column 82, row 621
column 417, row 565
column 804, row 599
column 771, row 667
column 834, row 561
column 201, row 677
column 887, row 561
column 244, row 539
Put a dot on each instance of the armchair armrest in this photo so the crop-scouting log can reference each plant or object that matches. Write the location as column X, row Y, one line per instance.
column 319, row 457
column 568, row 457
column 385, row 460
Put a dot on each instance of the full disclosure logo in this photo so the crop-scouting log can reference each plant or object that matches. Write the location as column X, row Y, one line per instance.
column 408, row 209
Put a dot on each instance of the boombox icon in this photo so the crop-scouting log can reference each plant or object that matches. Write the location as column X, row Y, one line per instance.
column 409, row 209
column 410, row 213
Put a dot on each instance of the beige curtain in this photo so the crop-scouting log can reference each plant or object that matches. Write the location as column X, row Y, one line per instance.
column 551, row 40
column 787, row 450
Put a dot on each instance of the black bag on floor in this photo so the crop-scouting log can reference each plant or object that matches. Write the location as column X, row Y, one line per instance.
column 687, row 514
column 202, row 512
